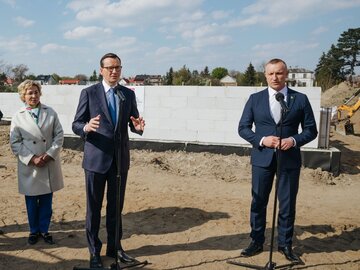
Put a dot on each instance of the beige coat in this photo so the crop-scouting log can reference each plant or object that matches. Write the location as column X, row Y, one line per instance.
column 28, row 139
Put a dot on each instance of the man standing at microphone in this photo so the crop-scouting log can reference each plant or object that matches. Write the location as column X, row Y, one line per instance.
column 104, row 112
column 263, row 110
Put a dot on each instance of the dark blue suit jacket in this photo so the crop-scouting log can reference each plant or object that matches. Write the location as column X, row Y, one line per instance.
column 100, row 146
column 257, row 112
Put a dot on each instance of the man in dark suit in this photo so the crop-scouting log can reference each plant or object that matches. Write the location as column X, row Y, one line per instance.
column 103, row 114
column 263, row 111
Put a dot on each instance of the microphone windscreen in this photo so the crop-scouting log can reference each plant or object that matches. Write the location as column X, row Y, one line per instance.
column 279, row 96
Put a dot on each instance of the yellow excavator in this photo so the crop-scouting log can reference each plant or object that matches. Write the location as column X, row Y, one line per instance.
column 346, row 111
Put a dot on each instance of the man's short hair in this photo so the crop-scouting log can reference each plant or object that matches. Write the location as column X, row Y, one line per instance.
column 109, row 55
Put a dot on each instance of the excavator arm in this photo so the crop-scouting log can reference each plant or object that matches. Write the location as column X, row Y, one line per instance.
column 349, row 110
column 346, row 111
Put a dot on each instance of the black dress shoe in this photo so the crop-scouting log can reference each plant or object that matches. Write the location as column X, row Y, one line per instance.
column 253, row 249
column 95, row 261
column 288, row 253
column 33, row 238
column 48, row 238
column 123, row 257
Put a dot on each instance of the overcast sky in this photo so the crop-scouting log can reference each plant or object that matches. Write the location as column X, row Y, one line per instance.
column 150, row 36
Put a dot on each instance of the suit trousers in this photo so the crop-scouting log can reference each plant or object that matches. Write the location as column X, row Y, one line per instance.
column 288, row 185
column 39, row 210
column 95, row 187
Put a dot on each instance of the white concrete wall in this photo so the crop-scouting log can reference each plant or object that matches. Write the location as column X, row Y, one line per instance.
column 196, row 114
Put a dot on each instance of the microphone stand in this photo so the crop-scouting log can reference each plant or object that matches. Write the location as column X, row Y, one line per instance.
column 270, row 264
column 118, row 138
column 116, row 265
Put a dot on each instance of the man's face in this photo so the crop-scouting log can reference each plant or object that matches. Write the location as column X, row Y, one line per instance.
column 276, row 75
column 111, row 71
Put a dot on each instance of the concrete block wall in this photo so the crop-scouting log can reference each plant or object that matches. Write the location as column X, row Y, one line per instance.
column 194, row 114
column 200, row 114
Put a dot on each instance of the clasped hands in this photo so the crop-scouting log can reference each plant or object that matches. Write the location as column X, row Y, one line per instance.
column 274, row 142
column 40, row 161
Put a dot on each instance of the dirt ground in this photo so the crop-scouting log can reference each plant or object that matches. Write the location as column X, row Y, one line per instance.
column 189, row 211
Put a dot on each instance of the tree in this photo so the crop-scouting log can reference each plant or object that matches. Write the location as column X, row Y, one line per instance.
column 215, row 82
column 249, row 76
column 196, row 79
column 3, row 86
column 330, row 69
column 233, row 73
column 349, row 44
column 81, row 77
column 205, row 73
column 182, row 76
column 219, row 73
column 30, row 77
column 2, row 78
column 169, row 77
column 56, row 77
column 260, row 78
column 340, row 60
column 19, row 72
column 93, row 77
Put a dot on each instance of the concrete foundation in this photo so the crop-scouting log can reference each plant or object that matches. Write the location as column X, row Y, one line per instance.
column 326, row 159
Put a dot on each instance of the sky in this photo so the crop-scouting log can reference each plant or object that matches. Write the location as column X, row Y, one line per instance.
column 150, row 36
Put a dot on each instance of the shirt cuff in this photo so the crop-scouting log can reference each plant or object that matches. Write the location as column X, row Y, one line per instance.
column 261, row 142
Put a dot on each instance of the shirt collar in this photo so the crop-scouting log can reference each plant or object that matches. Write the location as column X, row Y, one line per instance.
column 29, row 108
column 272, row 92
column 106, row 86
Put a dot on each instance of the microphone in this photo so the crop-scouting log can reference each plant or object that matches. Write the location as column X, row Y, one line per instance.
column 120, row 94
column 280, row 97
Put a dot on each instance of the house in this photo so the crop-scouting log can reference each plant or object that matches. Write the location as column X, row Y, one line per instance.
column 140, row 79
column 8, row 81
column 70, row 81
column 300, row 77
column 124, row 81
column 45, row 79
column 146, row 80
column 228, row 81
column 154, row 80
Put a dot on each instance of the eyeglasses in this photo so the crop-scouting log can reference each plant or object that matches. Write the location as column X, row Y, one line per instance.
column 110, row 69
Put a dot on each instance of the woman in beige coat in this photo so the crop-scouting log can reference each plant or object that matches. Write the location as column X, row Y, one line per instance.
column 36, row 138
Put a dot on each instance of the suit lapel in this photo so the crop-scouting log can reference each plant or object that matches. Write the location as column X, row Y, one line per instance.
column 289, row 101
column 42, row 115
column 290, row 98
column 35, row 129
column 100, row 92
column 265, row 101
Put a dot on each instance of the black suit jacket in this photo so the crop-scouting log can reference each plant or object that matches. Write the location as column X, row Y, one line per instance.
column 100, row 146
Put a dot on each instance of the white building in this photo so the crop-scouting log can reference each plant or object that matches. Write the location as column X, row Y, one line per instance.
column 228, row 81
column 300, row 77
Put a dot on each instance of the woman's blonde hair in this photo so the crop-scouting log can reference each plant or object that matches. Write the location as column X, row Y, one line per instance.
column 26, row 85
